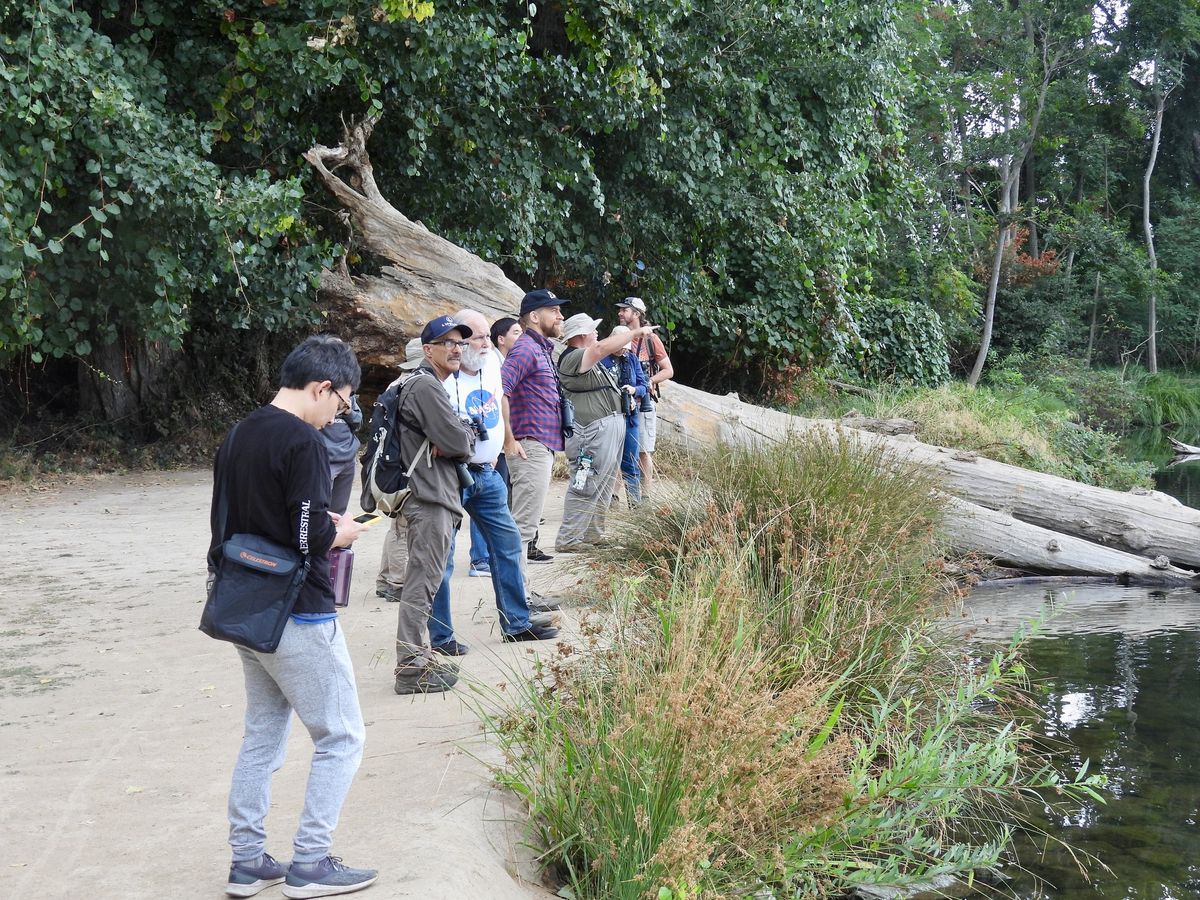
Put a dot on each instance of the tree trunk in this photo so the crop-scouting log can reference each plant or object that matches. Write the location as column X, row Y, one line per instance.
column 1142, row 524
column 1092, row 328
column 117, row 379
column 1029, row 198
column 1152, row 306
column 428, row 276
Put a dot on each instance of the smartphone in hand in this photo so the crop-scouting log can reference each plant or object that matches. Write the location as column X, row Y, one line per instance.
column 368, row 518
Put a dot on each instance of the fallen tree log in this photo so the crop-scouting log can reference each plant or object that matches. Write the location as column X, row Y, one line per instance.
column 1036, row 517
column 428, row 275
column 1142, row 524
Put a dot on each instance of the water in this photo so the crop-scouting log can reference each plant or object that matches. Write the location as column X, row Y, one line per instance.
column 1118, row 674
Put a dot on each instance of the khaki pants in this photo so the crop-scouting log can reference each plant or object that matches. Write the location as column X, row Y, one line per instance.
column 530, row 480
column 395, row 557
column 584, row 508
column 431, row 528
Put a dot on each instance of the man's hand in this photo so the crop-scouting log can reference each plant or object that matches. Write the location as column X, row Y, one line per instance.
column 347, row 530
column 514, row 448
column 630, row 389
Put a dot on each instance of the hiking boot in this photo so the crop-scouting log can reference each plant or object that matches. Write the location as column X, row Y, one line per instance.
column 578, row 547
column 532, row 633
column 429, row 680
column 452, row 647
column 544, row 619
column 480, row 570
column 542, row 603
column 248, row 878
column 390, row 594
column 325, row 878
column 536, row 555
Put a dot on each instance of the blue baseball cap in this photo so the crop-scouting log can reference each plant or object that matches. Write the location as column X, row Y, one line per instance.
column 440, row 327
column 540, row 299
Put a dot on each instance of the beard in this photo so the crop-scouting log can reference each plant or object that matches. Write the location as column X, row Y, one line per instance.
column 473, row 359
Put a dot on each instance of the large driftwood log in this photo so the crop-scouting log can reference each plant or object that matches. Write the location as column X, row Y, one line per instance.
column 1147, row 524
column 427, row 276
column 1025, row 519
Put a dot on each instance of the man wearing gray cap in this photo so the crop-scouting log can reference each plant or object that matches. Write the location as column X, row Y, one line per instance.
column 395, row 543
column 594, row 449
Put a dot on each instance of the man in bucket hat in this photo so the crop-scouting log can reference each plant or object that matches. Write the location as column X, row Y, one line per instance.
column 594, row 449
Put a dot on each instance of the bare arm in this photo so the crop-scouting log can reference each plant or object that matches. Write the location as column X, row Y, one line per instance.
column 611, row 344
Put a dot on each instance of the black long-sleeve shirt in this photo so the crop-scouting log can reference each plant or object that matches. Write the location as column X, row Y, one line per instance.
column 279, row 488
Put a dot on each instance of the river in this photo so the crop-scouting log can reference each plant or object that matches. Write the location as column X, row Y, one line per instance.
column 1117, row 672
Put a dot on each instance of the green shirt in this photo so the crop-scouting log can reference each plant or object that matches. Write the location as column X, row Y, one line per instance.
column 594, row 393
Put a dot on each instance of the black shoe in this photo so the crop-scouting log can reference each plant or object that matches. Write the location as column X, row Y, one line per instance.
column 536, row 555
column 541, row 603
column 390, row 594
column 532, row 633
column 452, row 648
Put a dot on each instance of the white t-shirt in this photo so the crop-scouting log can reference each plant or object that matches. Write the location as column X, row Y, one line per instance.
column 480, row 394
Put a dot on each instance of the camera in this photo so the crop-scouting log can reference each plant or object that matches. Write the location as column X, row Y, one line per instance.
column 465, row 478
column 628, row 407
column 475, row 423
column 568, row 417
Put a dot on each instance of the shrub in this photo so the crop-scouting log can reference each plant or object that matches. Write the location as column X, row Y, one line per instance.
column 902, row 341
column 764, row 706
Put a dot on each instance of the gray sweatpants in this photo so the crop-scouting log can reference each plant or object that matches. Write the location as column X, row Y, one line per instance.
column 311, row 674
column 431, row 527
column 584, row 508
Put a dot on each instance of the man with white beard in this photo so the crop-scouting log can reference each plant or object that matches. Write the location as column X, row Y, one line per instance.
column 476, row 393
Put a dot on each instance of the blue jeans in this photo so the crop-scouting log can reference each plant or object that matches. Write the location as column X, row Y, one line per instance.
column 487, row 503
column 631, row 469
column 479, row 550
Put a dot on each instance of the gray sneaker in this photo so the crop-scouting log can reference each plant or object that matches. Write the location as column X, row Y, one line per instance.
column 247, row 879
column 325, row 878
column 429, row 680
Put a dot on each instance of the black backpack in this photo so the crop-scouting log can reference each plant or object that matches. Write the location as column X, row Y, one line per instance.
column 384, row 473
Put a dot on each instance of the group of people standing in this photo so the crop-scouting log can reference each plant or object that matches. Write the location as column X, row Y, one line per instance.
column 482, row 411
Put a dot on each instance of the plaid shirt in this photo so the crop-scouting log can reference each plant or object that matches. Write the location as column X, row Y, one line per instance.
column 531, row 386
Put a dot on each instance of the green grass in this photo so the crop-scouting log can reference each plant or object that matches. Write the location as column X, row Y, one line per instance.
column 1012, row 421
column 762, row 701
column 1169, row 399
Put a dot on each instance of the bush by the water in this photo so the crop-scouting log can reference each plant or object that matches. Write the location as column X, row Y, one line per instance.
column 1051, row 425
column 764, row 704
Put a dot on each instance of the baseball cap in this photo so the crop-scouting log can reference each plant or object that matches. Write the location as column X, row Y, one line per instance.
column 540, row 299
column 622, row 329
column 634, row 303
column 578, row 324
column 413, row 354
column 441, row 326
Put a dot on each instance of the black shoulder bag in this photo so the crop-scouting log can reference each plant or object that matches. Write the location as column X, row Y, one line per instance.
column 256, row 585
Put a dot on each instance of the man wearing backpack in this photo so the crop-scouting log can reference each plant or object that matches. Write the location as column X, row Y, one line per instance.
column 476, row 393
column 390, row 580
column 432, row 437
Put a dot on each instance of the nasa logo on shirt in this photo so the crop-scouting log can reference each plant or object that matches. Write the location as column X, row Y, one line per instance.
column 483, row 403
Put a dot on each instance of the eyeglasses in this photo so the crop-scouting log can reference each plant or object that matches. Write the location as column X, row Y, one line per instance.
column 450, row 344
column 343, row 403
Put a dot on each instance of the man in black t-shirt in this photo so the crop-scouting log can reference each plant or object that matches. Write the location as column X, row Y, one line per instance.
column 277, row 477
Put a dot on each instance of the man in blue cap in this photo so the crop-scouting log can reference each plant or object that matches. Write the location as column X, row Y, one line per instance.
column 432, row 436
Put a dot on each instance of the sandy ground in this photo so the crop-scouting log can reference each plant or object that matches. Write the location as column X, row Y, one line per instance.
column 120, row 721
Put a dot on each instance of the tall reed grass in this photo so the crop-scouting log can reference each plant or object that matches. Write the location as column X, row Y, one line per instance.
column 762, row 704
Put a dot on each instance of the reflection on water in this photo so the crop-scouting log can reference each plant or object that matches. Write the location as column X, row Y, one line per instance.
column 1119, row 679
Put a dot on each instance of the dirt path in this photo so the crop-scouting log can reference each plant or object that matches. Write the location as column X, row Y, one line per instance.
column 120, row 721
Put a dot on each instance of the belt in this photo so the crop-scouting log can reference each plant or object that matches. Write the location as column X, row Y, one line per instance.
column 478, row 467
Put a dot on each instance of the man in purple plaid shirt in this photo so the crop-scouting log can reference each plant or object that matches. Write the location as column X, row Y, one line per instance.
column 532, row 409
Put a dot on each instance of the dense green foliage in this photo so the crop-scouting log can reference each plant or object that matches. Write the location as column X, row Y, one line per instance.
column 779, row 180
column 768, row 707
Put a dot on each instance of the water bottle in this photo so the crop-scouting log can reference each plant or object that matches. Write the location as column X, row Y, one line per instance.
column 581, row 474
